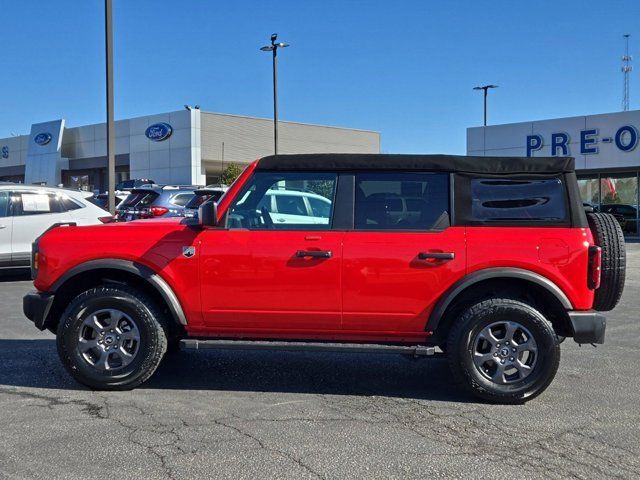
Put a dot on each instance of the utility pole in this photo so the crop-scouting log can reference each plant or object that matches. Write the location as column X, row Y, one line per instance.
column 111, row 133
column 222, row 160
column 626, row 69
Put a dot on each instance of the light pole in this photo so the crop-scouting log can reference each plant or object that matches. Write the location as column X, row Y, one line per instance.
column 111, row 130
column 485, row 88
column 273, row 48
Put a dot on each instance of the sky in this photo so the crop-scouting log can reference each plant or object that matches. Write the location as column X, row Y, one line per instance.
column 403, row 68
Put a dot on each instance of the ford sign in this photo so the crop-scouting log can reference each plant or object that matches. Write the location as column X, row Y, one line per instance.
column 42, row 138
column 158, row 132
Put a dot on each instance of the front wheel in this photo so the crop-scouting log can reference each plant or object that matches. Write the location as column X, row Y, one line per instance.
column 112, row 338
column 503, row 351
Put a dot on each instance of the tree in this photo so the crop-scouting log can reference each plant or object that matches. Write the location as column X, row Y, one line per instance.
column 230, row 173
column 321, row 187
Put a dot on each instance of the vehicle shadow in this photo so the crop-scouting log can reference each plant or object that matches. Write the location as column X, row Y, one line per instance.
column 15, row 275
column 34, row 363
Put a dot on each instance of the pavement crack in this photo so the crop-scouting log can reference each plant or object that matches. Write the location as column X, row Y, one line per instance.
column 268, row 448
column 51, row 401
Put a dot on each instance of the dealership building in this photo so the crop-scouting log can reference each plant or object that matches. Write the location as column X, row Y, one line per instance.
column 188, row 147
column 606, row 148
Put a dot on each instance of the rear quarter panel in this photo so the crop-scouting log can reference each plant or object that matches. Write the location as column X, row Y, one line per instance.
column 557, row 253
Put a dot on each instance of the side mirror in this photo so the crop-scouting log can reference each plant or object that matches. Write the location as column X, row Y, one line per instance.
column 208, row 214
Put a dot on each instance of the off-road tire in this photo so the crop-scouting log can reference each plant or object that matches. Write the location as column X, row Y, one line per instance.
column 460, row 350
column 608, row 235
column 151, row 324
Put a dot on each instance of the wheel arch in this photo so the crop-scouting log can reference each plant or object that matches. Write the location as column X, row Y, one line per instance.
column 91, row 273
column 522, row 283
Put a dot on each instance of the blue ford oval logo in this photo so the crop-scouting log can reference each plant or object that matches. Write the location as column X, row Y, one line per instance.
column 159, row 132
column 42, row 138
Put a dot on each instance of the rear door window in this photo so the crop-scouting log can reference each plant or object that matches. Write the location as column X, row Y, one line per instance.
column 401, row 201
column 499, row 200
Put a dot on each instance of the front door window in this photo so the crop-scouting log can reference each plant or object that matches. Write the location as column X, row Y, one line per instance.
column 285, row 201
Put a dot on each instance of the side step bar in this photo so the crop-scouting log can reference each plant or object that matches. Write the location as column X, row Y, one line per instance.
column 413, row 350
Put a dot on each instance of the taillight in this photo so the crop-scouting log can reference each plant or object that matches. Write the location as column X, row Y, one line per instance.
column 158, row 211
column 595, row 264
column 108, row 219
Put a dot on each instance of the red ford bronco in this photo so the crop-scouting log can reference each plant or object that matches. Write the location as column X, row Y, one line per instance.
column 489, row 261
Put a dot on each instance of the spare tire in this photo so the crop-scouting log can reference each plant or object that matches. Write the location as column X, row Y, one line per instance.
column 608, row 235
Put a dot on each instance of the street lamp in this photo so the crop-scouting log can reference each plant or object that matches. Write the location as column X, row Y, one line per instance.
column 273, row 48
column 485, row 88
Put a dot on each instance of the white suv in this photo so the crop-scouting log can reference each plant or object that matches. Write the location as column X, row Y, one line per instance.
column 26, row 211
column 296, row 207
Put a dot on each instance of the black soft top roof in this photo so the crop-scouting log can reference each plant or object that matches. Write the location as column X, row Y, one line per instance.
column 442, row 163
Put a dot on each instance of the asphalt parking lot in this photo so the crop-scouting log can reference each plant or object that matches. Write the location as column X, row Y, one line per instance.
column 239, row 414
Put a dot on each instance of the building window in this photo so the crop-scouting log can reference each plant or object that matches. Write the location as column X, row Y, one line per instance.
column 614, row 193
column 619, row 194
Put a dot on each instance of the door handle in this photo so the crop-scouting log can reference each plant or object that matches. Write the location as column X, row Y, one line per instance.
column 314, row 253
column 436, row 256
column 2, row 226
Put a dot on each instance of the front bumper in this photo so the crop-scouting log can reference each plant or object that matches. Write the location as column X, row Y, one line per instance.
column 588, row 326
column 36, row 306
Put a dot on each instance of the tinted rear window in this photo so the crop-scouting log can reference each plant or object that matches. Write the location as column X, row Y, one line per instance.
column 541, row 200
column 102, row 201
column 68, row 204
column 200, row 197
column 181, row 199
column 139, row 199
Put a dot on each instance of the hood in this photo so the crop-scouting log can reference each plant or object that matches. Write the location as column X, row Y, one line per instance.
column 117, row 236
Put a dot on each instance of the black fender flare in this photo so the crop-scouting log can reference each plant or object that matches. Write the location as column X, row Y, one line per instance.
column 493, row 273
column 142, row 271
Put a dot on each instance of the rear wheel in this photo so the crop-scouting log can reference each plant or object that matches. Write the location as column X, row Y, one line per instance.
column 112, row 338
column 503, row 350
column 608, row 235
